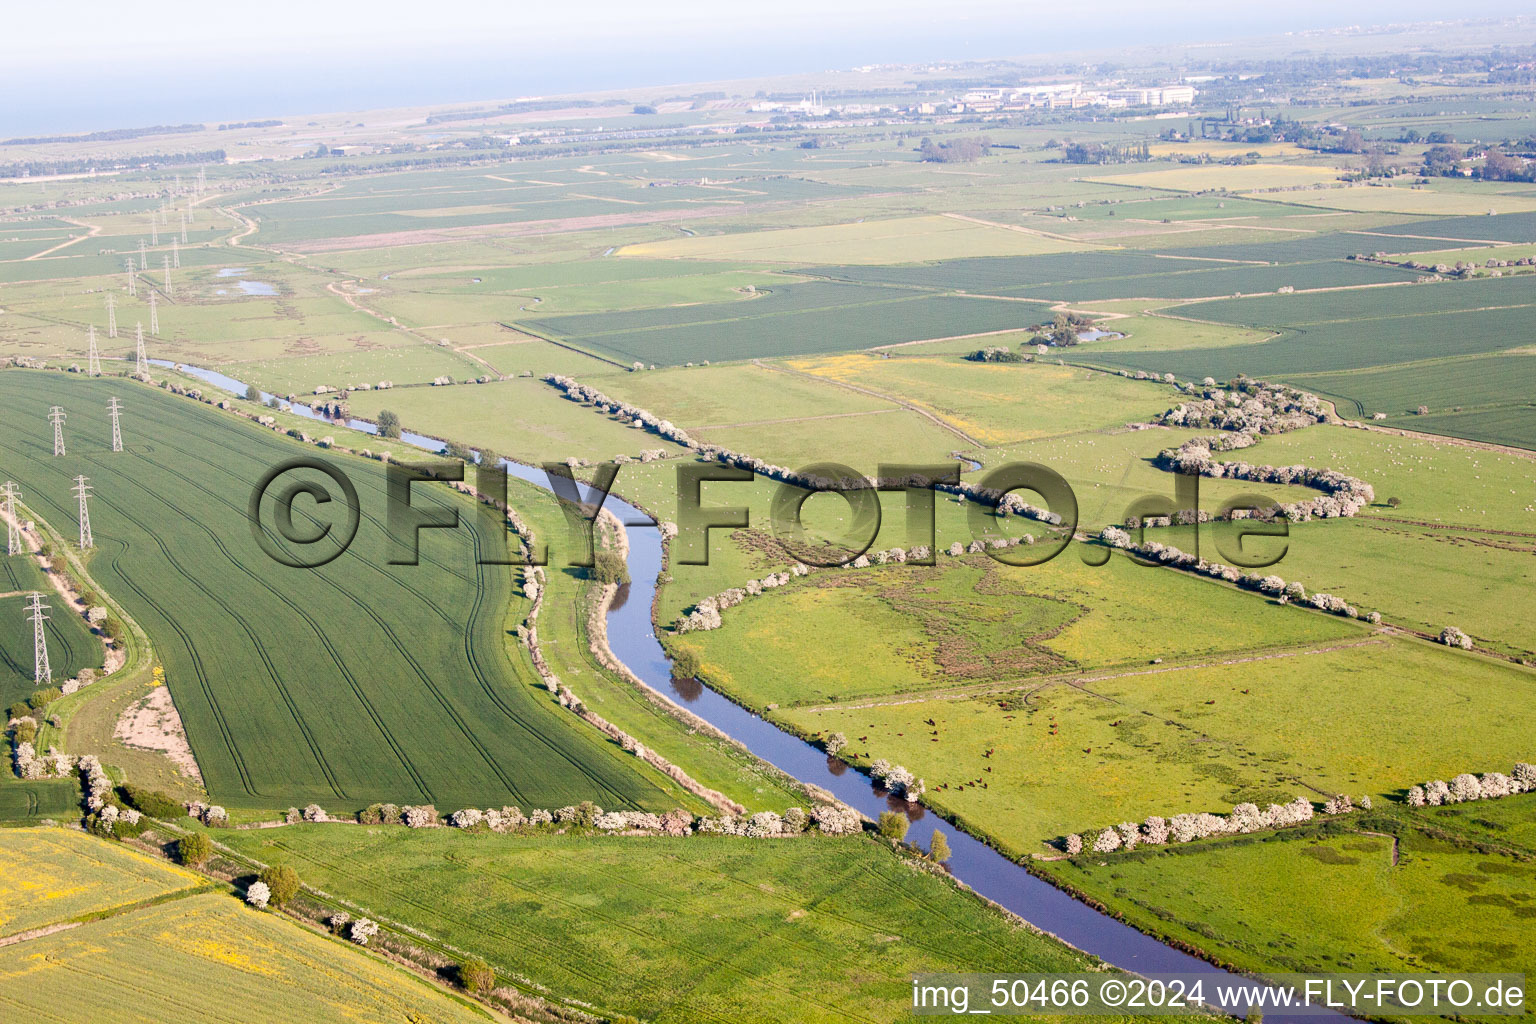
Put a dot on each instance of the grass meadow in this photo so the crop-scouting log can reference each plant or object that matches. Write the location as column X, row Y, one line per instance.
column 1455, row 897
column 809, row 929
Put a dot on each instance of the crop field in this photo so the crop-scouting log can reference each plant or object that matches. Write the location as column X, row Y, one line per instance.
column 49, row 875
column 49, row 798
column 795, row 319
column 508, row 195
column 1236, row 178
column 902, row 240
column 807, row 929
column 1355, row 329
column 71, row 646
column 173, row 956
column 1418, row 201
column 1337, row 898
column 357, row 682
column 999, row 403
column 1506, row 227
column 1083, row 277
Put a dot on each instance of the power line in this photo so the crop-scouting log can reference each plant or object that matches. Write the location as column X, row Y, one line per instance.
column 12, row 523
column 56, row 417
column 41, row 673
column 115, row 408
column 82, row 490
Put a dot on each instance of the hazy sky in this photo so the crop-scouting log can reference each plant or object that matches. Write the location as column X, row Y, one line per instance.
column 86, row 64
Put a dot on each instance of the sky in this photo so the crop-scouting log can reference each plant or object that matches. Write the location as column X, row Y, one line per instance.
column 87, row 64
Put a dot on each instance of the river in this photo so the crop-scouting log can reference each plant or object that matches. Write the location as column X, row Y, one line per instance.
column 632, row 637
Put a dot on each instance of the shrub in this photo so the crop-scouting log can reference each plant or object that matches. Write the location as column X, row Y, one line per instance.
column 685, row 663
column 281, row 881
column 476, row 976
column 362, row 930
column 258, row 895
column 608, row 567
column 194, row 850
column 151, row 802
column 42, row 698
column 893, row 825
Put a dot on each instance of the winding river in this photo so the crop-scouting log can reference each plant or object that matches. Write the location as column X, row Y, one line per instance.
column 631, row 635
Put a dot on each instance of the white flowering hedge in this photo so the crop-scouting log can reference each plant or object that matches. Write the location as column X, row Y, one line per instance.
column 1466, row 787
column 1185, row 828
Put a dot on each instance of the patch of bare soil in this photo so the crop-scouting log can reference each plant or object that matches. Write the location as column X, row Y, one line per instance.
column 152, row 723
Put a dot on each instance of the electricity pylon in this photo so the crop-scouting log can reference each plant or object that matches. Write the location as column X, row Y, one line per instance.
column 129, row 265
column 168, row 291
column 111, row 315
column 82, row 490
column 183, row 235
column 115, row 408
column 142, row 370
column 93, row 358
column 41, row 673
column 154, row 316
column 143, row 256
column 12, row 524
column 154, row 229
column 56, row 417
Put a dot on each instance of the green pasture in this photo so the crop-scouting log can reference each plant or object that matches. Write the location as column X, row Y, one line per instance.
column 812, row 929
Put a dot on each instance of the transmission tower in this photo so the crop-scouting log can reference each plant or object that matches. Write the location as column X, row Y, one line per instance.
column 82, row 491
column 168, row 290
column 154, row 315
column 176, row 249
column 154, row 229
column 111, row 315
column 143, row 360
column 202, row 181
column 41, row 673
column 93, row 358
column 12, row 523
column 56, row 417
column 143, row 256
column 115, row 409
column 129, row 265
column 183, row 231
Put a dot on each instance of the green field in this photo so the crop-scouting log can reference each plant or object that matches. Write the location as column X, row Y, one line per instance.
column 794, row 319
column 718, row 928
column 1353, row 330
column 1443, row 890
column 71, row 646
column 360, row 681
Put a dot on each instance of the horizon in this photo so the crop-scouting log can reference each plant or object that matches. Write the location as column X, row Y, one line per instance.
column 339, row 68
